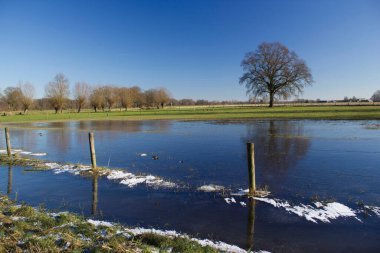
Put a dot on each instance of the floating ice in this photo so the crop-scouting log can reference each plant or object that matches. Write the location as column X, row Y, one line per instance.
column 241, row 192
column 143, row 154
column 322, row 212
column 374, row 209
column 230, row 200
column 22, row 152
column 38, row 154
column 211, row 188
column 243, row 203
column 69, row 168
column 131, row 180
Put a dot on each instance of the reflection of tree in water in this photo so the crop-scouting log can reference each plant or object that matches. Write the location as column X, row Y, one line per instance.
column 94, row 195
column 125, row 126
column 278, row 146
column 10, row 177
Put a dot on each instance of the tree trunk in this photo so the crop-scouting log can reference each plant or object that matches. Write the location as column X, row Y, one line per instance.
column 79, row 109
column 271, row 97
column 56, row 109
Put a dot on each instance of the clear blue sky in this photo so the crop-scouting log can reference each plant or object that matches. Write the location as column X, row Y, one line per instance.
column 194, row 48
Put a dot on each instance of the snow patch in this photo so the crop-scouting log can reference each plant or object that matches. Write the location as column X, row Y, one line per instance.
column 22, row 152
column 230, row 200
column 97, row 223
column 203, row 242
column 69, row 168
column 210, row 188
column 322, row 212
column 131, row 180
column 374, row 209
column 241, row 192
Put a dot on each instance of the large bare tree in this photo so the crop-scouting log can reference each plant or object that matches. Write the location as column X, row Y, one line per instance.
column 12, row 97
column 27, row 95
column 97, row 99
column 125, row 98
column 163, row 97
column 57, row 91
column 82, row 92
column 272, row 70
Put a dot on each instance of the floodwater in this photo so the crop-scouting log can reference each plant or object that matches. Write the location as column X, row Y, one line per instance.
column 300, row 161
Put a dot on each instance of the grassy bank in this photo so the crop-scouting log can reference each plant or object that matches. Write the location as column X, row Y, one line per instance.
column 27, row 229
column 209, row 113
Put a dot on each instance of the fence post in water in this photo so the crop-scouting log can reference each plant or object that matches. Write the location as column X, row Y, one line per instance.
column 92, row 150
column 8, row 141
column 251, row 168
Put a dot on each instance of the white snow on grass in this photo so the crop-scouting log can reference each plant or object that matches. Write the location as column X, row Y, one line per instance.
column 97, row 223
column 224, row 247
column 131, row 180
column 203, row 242
column 22, row 152
column 321, row 212
column 210, row 188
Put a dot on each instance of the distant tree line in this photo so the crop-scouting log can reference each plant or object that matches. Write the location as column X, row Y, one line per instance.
column 108, row 97
column 97, row 97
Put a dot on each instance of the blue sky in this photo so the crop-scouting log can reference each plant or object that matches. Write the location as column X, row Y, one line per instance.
column 193, row 48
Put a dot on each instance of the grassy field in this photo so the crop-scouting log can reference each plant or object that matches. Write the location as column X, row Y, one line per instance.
column 208, row 113
column 27, row 229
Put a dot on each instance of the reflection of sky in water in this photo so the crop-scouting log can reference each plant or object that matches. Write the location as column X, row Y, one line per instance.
column 296, row 159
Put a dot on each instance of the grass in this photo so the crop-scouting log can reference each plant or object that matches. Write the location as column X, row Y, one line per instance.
column 209, row 113
column 27, row 229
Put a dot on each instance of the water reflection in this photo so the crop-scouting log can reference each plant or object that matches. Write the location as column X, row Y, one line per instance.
column 279, row 145
column 251, row 223
column 94, row 195
column 10, row 177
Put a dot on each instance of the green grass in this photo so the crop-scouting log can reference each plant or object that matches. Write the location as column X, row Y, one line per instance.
column 26, row 229
column 209, row 113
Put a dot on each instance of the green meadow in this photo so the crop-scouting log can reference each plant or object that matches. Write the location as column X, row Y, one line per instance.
column 206, row 113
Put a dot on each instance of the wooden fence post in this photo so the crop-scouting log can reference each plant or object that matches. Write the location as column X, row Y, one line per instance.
column 251, row 168
column 92, row 150
column 8, row 141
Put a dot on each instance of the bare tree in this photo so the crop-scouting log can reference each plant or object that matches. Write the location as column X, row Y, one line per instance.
column 376, row 96
column 82, row 92
column 275, row 71
column 97, row 99
column 125, row 97
column 163, row 97
column 110, row 95
column 12, row 97
column 57, row 91
column 151, row 98
column 137, row 96
column 27, row 95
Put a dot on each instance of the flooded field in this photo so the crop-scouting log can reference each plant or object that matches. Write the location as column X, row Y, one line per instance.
column 323, row 175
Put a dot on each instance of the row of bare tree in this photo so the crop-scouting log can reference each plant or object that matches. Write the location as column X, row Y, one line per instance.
column 57, row 95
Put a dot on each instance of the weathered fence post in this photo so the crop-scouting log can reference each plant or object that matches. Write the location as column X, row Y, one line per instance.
column 251, row 168
column 92, row 150
column 8, row 141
